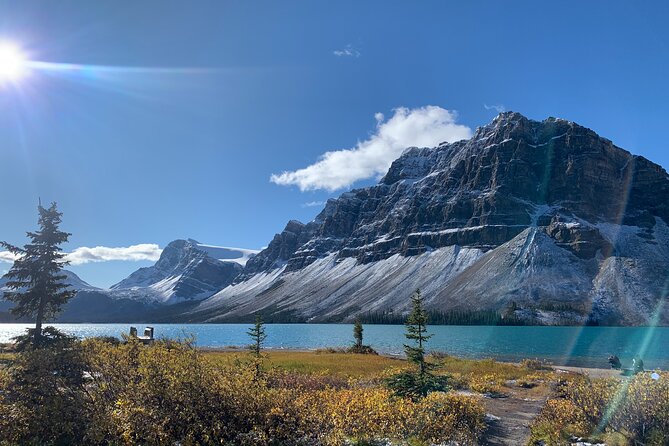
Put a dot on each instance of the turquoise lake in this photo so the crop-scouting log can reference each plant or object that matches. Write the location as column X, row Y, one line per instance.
column 577, row 346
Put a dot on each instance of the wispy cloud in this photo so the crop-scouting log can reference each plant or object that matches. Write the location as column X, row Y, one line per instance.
column 311, row 204
column 422, row 127
column 7, row 257
column 80, row 256
column 134, row 253
column 499, row 108
column 348, row 51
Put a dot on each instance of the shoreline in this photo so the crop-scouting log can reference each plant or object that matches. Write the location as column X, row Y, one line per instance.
column 28, row 323
column 593, row 372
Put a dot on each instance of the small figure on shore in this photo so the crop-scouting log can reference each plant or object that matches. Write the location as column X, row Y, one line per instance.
column 615, row 362
column 637, row 365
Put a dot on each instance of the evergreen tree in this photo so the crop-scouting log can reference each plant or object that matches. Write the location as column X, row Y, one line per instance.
column 416, row 330
column 416, row 384
column 36, row 278
column 357, row 333
column 258, row 336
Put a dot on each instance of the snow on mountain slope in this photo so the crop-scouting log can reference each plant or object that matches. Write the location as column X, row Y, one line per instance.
column 328, row 289
column 547, row 283
column 542, row 218
column 226, row 254
column 186, row 270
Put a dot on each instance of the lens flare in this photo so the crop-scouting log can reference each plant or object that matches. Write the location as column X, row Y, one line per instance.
column 13, row 63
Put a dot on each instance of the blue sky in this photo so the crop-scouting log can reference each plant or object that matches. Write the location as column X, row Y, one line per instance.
column 234, row 92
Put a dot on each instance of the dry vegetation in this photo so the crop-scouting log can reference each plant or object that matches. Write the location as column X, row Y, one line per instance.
column 632, row 411
column 172, row 393
column 319, row 362
column 95, row 392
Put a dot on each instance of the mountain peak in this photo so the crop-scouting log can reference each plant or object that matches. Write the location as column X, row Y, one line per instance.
column 522, row 193
column 186, row 270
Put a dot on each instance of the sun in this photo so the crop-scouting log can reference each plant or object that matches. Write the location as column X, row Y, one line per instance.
column 12, row 63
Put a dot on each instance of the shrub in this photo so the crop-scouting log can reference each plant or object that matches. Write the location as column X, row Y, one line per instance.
column 163, row 394
column 169, row 393
column 487, row 383
column 637, row 409
column 361, row 350
column 529, row 381
column 113, row 340
column 412, row 385
column 535, row 364
column 368, row 414
column 42, row 395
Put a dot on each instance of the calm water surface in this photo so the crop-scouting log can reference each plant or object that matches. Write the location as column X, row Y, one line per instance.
column 578, row 346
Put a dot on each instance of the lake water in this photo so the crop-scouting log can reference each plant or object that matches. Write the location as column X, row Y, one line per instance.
column 577, row 346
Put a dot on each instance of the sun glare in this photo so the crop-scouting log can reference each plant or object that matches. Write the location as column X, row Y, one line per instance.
column 12, row 63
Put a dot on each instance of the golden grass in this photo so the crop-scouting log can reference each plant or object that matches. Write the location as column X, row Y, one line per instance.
column 503, row 370
column 339, row 364
column 372, row 366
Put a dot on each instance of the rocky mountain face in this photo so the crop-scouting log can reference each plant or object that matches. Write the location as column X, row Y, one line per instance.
column 545, row 222
column 185, row 271
column 545, row 219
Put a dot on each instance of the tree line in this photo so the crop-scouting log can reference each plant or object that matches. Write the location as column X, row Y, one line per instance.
column 452, row 317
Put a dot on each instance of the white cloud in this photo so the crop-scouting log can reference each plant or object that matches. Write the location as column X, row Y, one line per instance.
column 80, row 256
column 144, row 251
column 499, row 108
column 311, row 204
column 348, row 51
column 7, row 257
column 422, row 127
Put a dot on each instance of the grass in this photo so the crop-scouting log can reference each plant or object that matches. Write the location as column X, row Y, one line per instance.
column 339, row 364
column 503, row 370
column 352, row 365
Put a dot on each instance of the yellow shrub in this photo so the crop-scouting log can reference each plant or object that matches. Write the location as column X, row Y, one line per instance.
column 637, row 408
column 487, row 383
column 169, row 393
column 374, row 413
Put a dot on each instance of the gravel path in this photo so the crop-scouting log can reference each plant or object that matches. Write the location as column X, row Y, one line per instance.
column 509, row 418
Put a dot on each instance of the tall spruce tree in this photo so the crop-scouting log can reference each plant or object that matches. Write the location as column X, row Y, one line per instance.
column 416, row 331
column 35, row 279
column 421, row 381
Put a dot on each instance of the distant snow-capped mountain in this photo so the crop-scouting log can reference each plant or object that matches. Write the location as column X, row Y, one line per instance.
column 187, row 270
column 72, row 280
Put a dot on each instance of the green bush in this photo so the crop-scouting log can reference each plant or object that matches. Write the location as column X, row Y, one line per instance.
column 43, row 399
column 412, row 385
